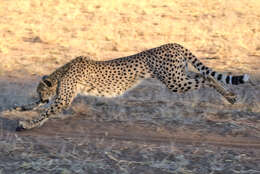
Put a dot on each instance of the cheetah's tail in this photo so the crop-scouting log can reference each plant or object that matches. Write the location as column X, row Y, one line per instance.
column 224, row 78
column 229, row 79
column 204, row 70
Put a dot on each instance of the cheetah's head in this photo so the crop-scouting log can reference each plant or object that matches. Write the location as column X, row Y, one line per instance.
column 46, row 89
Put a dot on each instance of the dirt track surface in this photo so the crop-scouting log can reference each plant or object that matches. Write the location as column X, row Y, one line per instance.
column 149, row 130
column 139, row 133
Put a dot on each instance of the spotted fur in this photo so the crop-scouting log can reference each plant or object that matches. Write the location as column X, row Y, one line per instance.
column 167, row 63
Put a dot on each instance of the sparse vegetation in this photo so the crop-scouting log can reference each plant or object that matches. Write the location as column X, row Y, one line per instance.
column 149, row 130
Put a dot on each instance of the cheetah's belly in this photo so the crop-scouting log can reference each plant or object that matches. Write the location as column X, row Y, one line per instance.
column 107, row 90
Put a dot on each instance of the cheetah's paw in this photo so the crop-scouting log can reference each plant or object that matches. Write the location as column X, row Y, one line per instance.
column 23, row 125
column 231, row 97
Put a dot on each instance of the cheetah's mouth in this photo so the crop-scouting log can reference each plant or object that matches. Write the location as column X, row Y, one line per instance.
column 44, row 101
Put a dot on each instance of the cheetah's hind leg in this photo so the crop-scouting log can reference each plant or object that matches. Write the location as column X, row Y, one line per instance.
column 212, row 82
column 229, row 96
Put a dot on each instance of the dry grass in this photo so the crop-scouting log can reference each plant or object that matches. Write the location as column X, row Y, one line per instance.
column 149, row 130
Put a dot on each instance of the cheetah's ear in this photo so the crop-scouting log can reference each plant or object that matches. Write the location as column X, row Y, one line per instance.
column 46, row 81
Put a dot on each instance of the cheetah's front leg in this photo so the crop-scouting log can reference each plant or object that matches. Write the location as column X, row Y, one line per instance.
column 62, row 100
column 54, row 108
column 28, row 107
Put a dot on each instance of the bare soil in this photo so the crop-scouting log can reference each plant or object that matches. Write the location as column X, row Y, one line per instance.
column 149, row 129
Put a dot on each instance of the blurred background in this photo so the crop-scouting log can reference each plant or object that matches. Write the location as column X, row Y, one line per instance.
column 38, row 36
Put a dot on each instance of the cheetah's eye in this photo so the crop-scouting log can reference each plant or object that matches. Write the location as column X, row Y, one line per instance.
column 46, row 81
column 44, row 77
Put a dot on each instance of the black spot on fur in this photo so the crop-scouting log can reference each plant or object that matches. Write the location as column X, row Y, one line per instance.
column 219, row 76
column 227, row 79
column 237, row 80
column 198, row 64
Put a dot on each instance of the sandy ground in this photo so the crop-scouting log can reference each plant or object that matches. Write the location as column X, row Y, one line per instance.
column 148, row 130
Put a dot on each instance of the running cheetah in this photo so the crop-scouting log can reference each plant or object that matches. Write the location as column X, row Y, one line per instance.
column 167, row 63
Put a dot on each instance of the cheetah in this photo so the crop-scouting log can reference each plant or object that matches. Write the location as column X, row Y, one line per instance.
column 167, row 63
